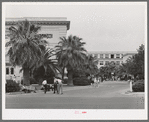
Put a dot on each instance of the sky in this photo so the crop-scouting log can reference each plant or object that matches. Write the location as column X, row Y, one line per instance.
column 104, row 27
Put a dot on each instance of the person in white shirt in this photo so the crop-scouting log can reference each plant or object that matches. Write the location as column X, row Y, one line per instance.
column 44, row 83
column 59, row 86
column 99, row 81
column 55, row 85
column 96, row 82
column 91, row 80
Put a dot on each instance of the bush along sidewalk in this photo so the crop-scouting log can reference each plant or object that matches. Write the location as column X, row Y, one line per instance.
column 12, row 86
column 81, row 81
column 138, row 86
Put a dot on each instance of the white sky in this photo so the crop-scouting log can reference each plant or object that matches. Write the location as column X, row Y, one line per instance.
column 103, row 27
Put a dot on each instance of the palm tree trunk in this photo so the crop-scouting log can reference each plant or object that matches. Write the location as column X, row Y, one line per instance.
column 63, row 73
column 26, row 76
column 70, row 80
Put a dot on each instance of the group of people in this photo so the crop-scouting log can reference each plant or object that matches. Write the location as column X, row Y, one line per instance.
column 95, row 81
column 58, row 85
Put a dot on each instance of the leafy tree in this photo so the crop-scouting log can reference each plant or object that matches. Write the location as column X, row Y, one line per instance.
column 107, row 70
column 70, row 54
column 104, row 72
column 135, row 64
column 120, row 70
column 90, row 65
column 24, row 48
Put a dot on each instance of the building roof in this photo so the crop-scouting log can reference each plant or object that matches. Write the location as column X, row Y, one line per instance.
column 37, row 18
column 112, row 52
column 40, row 21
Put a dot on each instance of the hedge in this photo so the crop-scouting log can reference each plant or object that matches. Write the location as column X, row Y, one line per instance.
column 138, row 86
column 81, row 81
column 12, row 86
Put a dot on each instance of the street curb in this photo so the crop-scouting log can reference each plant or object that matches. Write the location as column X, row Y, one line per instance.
column 15, row 93
column 133, row 93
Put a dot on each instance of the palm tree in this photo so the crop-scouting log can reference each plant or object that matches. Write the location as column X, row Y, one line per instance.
column 49, row 61
column 24, row 48
column 48, row 64
column 70, row 54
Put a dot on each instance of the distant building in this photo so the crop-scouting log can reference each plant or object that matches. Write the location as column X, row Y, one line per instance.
column 117, row 57
column 54, row 27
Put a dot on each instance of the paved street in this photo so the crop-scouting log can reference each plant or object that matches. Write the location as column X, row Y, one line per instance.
column 109, row 95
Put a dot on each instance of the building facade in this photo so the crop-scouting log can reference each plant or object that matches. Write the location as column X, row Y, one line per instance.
column 117, row 57
column 53, row 27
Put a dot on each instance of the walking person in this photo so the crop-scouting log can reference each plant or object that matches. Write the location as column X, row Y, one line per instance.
column 60, row 86
column 98, row 81
column 95, row 82
column 130, row 83
column 55, row 85
column 92, row 81
column 44, row 83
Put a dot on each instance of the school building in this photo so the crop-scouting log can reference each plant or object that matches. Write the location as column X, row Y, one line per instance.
column 117, row 57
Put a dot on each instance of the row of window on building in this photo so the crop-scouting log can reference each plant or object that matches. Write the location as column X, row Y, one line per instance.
column 107, row 55
column 107, row 62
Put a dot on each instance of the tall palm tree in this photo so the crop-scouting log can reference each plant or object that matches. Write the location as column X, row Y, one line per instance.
column 24, row 48
column 70, row 54
column 49, row 61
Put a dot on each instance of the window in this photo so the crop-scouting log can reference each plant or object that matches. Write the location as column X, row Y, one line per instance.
column 101, row 62
column 118, row 62
column 107, row 62
column 106, row 55
column 112, row 55
column 7, row 71
column 117, row 55
column 101, row 55
column 12, row 70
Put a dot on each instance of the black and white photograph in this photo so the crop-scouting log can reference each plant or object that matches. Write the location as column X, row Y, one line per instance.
column 74, row 60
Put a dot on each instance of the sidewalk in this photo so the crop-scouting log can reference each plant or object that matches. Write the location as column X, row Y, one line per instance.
column 65, row 88
column 70, row 88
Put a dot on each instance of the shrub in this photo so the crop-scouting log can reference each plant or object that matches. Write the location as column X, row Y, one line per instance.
column 138, row 86
column 12, row 86
column 81, row 81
